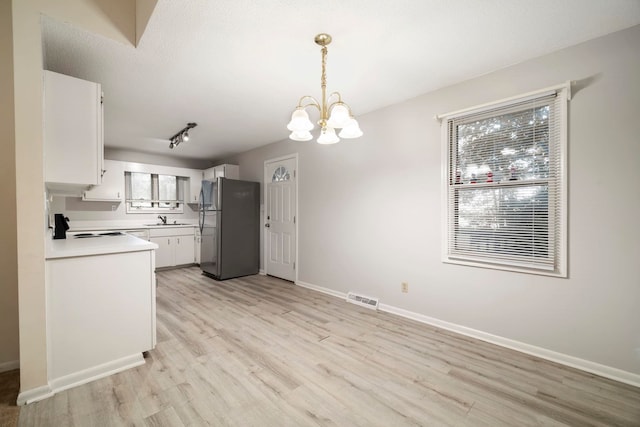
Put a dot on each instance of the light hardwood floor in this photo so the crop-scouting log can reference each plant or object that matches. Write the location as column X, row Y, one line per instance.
column 258, row 351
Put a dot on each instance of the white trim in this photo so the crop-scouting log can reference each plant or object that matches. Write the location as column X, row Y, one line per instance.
column 79, row 378
column 34, row 395
column 469, row 262
column 333, row 293
column 297, row 215
column 559, row 269
column 444, row 186
column 96, row 372
column 9, row 366
column 506, row 101
column 543, row 353
column 262, row 272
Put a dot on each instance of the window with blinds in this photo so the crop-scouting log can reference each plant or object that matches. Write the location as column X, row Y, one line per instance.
column 505, row 185
column 149, row 192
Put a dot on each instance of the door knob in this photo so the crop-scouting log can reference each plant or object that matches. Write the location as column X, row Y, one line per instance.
column 267, row 225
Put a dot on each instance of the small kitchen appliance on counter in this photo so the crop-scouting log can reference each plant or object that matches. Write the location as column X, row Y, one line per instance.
column 61, row 226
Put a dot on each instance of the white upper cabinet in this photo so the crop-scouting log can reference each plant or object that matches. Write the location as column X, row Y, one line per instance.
column 112, row 187
column 222, row 171
column 73, row 131
column 195, row 183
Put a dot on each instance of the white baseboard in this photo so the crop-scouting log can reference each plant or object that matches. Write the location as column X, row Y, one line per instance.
column 543, row 353
column 78, row 378
column 96, row 372
column 327, row 291
column 34, row 395
column 9, row 366
column 262, row 272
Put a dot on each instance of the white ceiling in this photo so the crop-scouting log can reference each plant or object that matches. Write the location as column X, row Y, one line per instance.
column 238, row 67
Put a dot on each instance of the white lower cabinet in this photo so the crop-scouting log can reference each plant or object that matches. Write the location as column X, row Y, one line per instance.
column 100, row 315
column 184, row 253
column 175, row 245
column 164, row 253
column 197, row 242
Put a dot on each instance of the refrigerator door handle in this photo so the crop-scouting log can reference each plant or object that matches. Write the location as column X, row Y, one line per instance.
column 201, row 211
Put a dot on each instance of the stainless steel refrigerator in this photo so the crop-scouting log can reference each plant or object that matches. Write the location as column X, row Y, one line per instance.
column 229, row 222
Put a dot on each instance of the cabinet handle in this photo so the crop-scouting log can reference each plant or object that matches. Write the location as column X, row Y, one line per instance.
column 168, row 241
column 178, row 240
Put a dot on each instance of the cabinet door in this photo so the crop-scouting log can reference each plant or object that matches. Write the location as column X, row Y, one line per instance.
column 196, row 246
column 165, row 252
column 222, row 171
column 231, row 171
column 73, row 138
column 209, row 174
column 185, row 250
column 195, row 182
column 112, row 187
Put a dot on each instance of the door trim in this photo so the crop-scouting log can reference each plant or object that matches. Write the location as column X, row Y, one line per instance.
column 266, row 180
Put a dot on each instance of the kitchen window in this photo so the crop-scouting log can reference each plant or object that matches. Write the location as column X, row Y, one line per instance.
column 149, row 193
column 505, row 184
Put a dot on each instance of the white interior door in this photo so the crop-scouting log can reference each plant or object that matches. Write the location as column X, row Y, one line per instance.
column 280, row 218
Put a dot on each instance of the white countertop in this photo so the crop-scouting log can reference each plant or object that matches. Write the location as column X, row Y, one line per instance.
column 74, row 247
column 105, row 227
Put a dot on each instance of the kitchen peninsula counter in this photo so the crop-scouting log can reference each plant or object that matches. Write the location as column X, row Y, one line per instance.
column 102, row 245
column 101, row 306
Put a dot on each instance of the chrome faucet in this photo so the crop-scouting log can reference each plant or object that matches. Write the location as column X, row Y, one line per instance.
column 163, row 219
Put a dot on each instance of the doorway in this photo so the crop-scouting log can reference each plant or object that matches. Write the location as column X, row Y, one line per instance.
column 280, row 225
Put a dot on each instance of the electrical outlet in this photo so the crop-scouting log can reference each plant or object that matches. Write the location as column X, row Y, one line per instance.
column 404, row 287
column 113, row 207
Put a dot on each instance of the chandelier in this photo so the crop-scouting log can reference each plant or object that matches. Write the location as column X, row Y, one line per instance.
column 334, row 115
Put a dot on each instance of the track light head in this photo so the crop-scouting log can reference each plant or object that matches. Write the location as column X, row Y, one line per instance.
column 181, row 136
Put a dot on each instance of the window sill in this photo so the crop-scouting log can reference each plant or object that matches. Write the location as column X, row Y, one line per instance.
column 504, row 267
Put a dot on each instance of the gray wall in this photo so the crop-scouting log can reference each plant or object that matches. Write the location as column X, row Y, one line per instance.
column 169, row 159
column 370, row 211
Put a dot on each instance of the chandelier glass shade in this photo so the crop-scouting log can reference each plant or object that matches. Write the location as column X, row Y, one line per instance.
column 334, row 114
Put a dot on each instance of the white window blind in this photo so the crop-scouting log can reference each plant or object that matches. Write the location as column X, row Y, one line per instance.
column 505, row 184
column 149, row 192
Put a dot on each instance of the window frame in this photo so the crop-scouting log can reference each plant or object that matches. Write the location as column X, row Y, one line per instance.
column 557, row 208
column 155, row 191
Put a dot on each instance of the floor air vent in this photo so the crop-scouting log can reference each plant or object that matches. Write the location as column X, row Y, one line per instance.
column 362, row 300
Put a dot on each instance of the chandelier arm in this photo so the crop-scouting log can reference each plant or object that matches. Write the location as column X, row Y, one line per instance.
column 313, row 102
column 336, row 94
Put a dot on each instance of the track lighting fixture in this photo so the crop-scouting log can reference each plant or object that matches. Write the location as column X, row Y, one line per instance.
column 181, row 136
